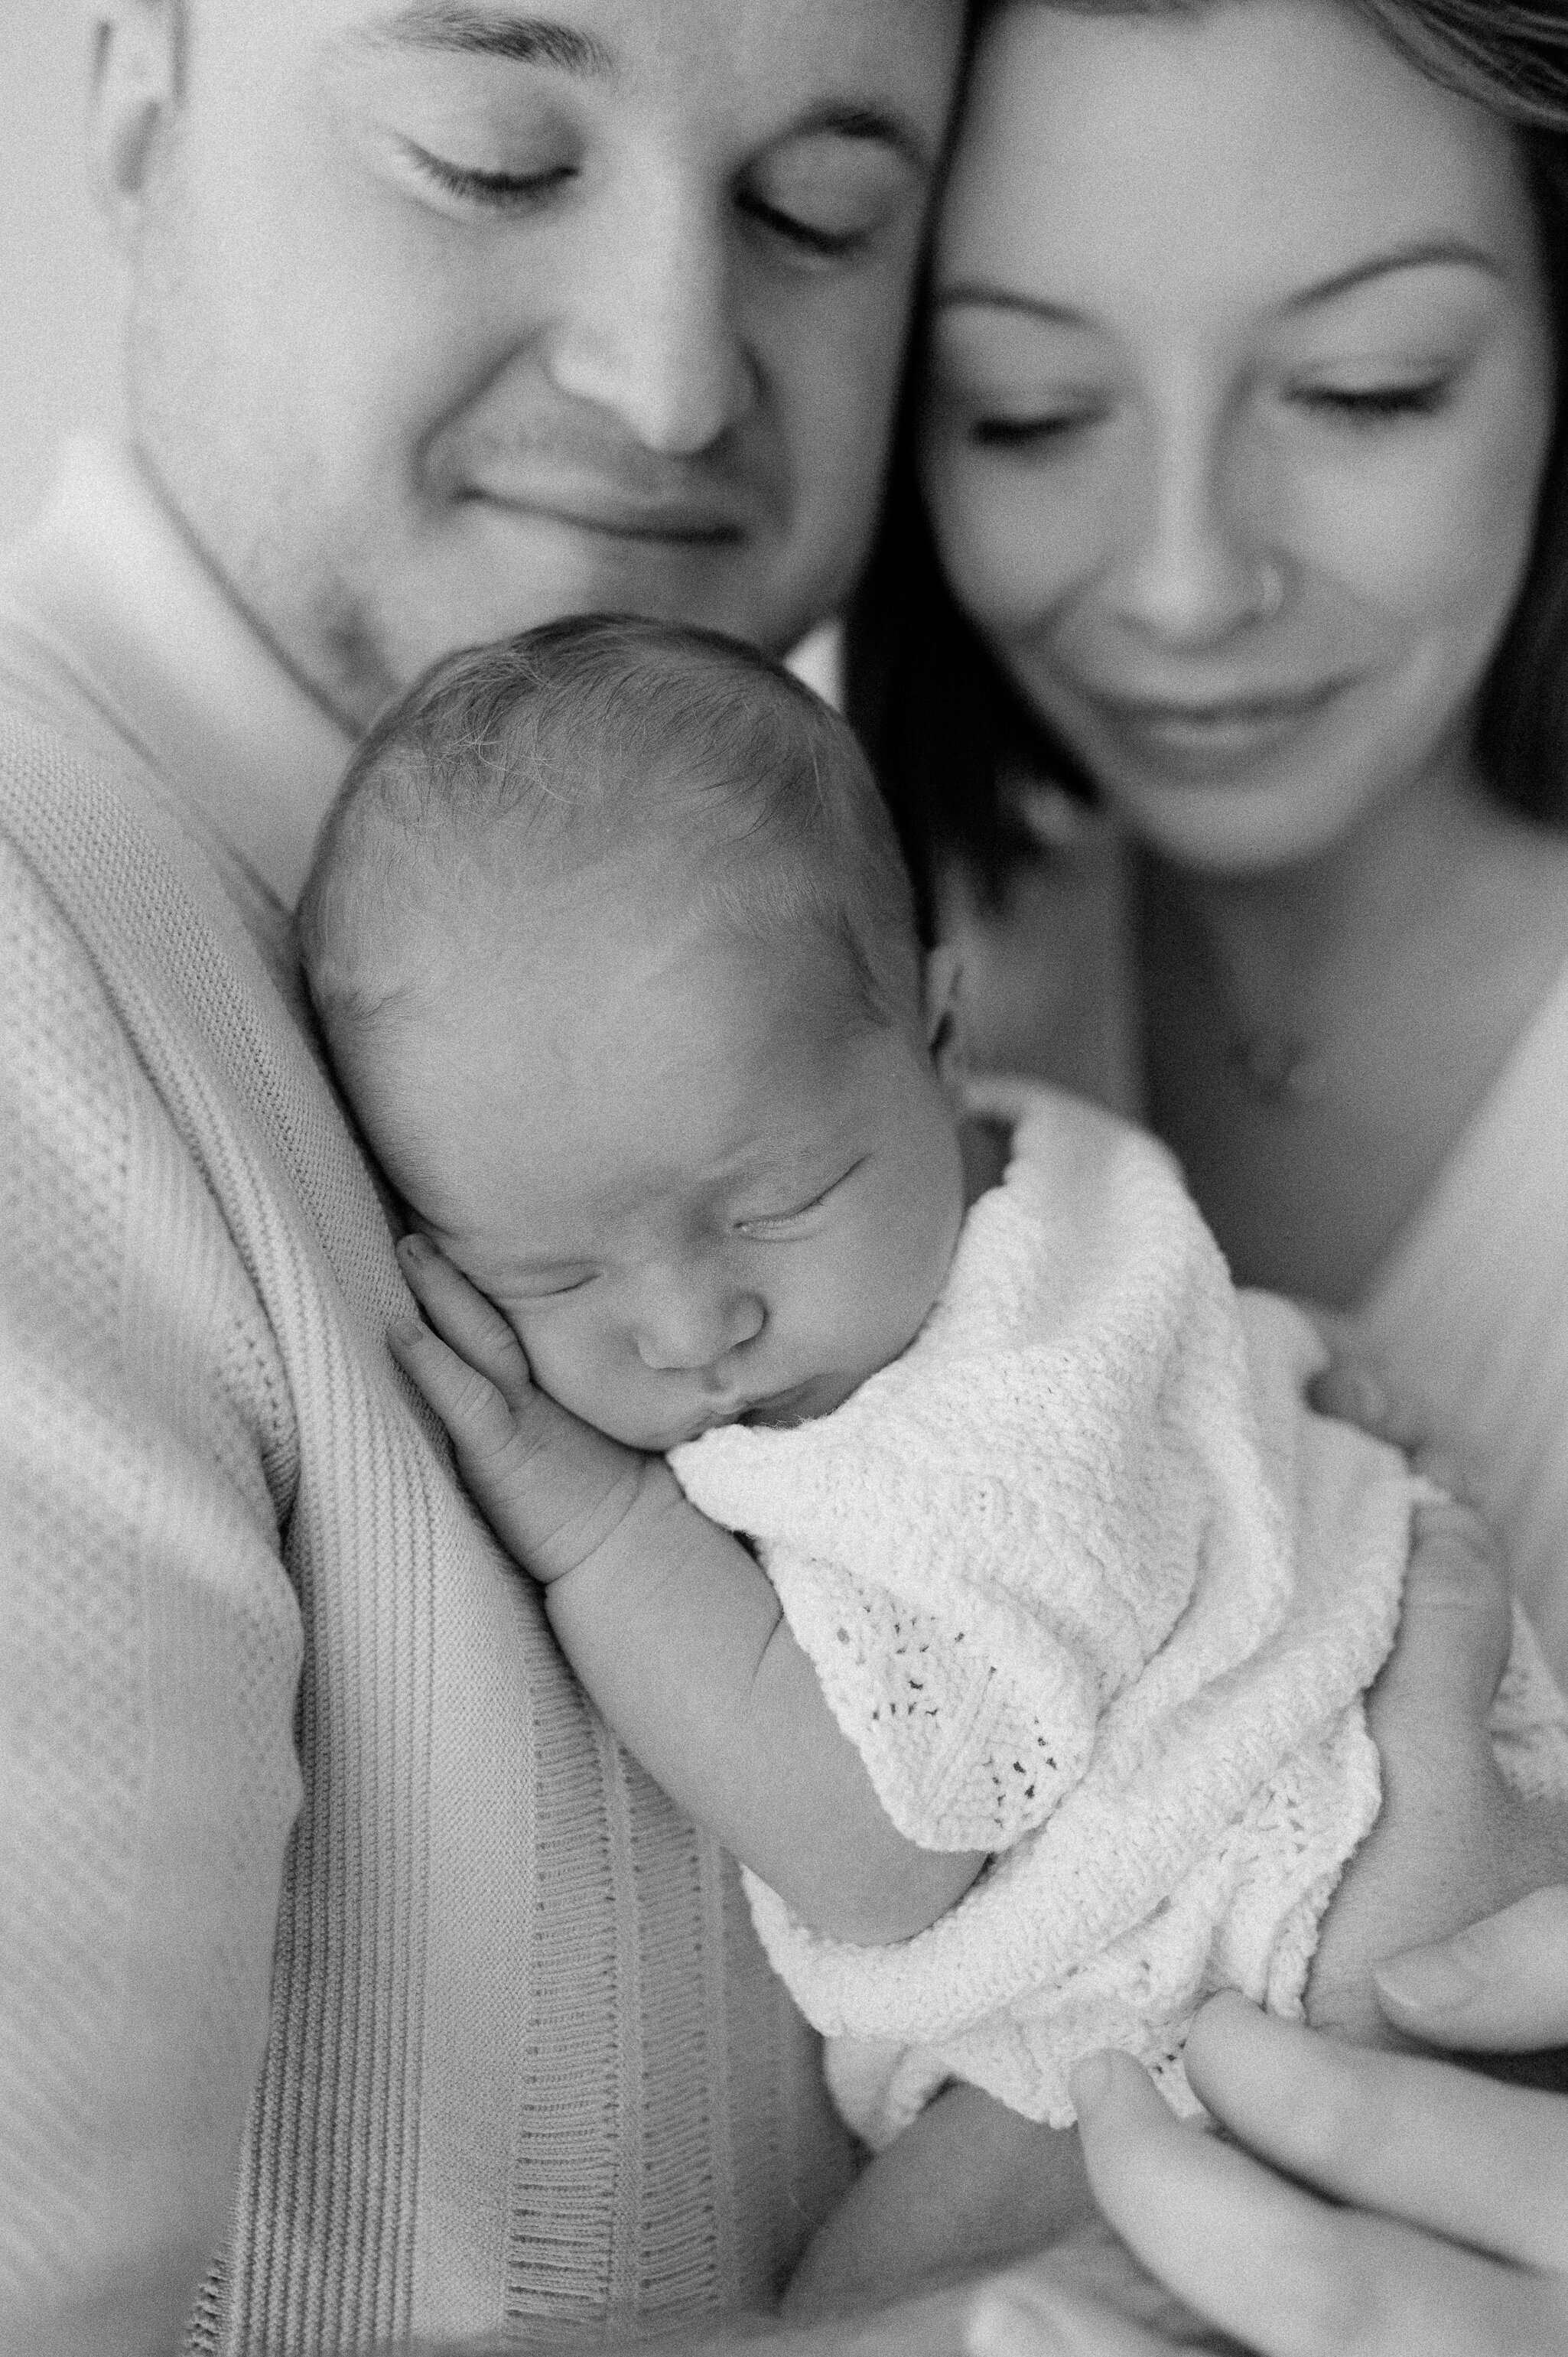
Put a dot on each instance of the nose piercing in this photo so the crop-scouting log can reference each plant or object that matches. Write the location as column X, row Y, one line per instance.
column 1268, row 589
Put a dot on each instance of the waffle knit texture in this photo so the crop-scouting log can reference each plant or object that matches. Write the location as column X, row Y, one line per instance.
column 354, row 1985
column 1090, row 1589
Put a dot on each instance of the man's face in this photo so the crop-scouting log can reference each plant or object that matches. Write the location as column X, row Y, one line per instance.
column 448, row 319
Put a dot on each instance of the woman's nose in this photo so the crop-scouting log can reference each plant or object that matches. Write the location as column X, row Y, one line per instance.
column 1197, row 562
column 684, row 1327
column 648, row 332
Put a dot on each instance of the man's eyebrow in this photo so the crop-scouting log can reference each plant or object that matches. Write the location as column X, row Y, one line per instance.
column 872, row 126
column 491, row 33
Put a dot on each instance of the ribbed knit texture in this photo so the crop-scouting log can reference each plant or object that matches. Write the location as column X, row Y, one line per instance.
column 1470, row 1309
column 486, row 2043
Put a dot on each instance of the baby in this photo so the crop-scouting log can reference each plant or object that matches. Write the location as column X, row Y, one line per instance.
column 1029, row 1695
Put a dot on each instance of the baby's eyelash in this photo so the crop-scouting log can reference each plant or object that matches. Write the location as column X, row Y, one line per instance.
column 787, row 1219
column 556, row 1292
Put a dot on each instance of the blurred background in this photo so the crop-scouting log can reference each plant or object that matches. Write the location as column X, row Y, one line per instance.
column 59, row 344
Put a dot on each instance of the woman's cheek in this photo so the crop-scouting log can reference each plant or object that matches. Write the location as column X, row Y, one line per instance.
column 1010, row 545
column 1434, row 521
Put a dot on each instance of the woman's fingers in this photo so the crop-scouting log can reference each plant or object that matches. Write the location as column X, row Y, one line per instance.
column 1354, row 1388
column 1285, row 2272
column 458, row 1311
column 1024, row 2314
column 1456, row 1627
column 1441, row 2148
column 1500, row 1986
column 1450, row 1843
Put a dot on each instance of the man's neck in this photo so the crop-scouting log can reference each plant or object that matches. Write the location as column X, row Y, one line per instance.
column 166, row 656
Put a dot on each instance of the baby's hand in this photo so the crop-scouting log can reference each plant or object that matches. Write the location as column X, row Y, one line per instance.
column 672, row 1628
column 550, row 1488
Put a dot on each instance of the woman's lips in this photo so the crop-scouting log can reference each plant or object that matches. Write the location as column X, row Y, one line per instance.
column 1194, row 738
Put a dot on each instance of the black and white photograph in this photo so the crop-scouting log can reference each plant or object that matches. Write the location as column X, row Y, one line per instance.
column 784, row 1146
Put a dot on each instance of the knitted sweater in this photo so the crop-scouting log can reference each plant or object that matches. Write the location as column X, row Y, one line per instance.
column 356, row 1985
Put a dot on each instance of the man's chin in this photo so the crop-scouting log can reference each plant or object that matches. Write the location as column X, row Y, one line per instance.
column 500, row 582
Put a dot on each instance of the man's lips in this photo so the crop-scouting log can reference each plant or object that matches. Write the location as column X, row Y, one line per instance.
column 608, row 515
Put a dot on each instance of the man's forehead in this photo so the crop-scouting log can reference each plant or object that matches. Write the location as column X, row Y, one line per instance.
column 841, row 55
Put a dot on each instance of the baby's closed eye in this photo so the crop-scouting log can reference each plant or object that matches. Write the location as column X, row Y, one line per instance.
column 770, row 1223
column 548, row 1286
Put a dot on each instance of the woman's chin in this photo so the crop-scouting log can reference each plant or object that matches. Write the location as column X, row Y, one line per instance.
column 1243, row 827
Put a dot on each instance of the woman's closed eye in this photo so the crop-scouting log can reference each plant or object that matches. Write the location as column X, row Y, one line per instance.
column 1364, row 406
column 1040, row 434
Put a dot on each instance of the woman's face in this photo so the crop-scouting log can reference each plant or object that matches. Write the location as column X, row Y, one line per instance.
column 1241, row 389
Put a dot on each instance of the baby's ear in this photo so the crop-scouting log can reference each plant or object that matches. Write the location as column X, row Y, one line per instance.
column 942, row 1006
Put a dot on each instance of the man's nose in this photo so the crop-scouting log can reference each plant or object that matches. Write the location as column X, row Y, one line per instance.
column 685, row 1324
column 648, row 332
column 1197, row 560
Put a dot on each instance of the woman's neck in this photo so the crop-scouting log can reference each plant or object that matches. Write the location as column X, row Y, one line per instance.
column 1316, row 1040
column 1318, row 936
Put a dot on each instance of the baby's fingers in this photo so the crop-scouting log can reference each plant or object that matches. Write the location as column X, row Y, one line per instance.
column 461, row 1316
column 1356, row 1390
column 479, row 1419
column 550, row 1488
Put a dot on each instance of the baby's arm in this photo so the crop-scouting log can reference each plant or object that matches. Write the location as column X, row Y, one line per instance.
column 673, row 1628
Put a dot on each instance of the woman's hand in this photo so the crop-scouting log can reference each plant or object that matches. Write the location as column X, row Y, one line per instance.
column 1498, row 1987
column 1453, row 1841
column 1428, row 2214
column 550, row 1488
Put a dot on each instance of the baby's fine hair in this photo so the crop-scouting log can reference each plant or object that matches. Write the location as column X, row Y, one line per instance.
column 589, row 738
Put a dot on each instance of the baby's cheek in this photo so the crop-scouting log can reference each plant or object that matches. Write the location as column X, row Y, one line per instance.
column 890, row 1287
column 566, row 1358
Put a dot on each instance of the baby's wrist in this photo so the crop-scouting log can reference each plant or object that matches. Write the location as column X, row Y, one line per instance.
column 615, row 1537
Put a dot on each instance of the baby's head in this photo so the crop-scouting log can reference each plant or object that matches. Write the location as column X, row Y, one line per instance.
column 615, row 952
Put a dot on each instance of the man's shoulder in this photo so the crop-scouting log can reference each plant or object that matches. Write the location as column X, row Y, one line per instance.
column 114, row 895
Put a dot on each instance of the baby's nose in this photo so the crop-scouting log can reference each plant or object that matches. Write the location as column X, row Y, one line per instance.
column 686, row 1330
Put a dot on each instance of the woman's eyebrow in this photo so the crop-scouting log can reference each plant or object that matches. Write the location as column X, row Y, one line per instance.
column 976, row 293
column 491, row 33
column 1422, row 253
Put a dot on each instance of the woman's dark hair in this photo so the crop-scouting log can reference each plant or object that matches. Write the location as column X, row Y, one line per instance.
column 945, row 727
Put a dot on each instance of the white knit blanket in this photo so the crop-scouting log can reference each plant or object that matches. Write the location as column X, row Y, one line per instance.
column 1089, row 1588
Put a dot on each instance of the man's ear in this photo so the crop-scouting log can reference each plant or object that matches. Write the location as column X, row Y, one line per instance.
column 942, row 1009
column 137, row 67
